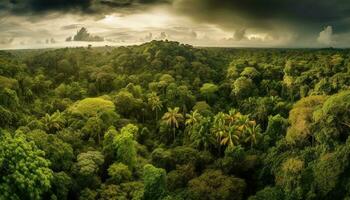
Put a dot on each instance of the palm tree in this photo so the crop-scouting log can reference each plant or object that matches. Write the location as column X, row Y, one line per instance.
column 243, row 121
column 346, row 124
column 231, row 137
column 219, row 127
column 54, row 122
column 252, row 132
column 193, row 118
column 201, row 136
column 172, row 118
column 155, row 103
column 192, row 121
column 232, row 116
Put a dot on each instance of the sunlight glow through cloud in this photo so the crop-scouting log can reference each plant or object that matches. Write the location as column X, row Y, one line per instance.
column 121, row 28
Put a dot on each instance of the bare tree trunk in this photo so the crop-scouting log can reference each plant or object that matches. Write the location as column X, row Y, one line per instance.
column 174, row 134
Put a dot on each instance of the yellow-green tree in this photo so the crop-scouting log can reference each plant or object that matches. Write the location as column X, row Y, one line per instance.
column 25, row 173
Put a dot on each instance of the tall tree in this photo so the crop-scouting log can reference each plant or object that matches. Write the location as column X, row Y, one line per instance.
column 155, row 103
column 252, row 133
column 200, row 136
column 193, row 118
column 219, row 127
column 173, row 118
column 124, row 144
column 244, row 122
column 231, row 138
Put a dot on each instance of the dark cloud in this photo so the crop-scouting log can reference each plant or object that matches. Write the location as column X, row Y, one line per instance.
column 277, row 19
column 117, row 2
column 307, row 14
column 84, row 35
column 312, row 10
column 23, row 7
column 239, row 35
column 264, row 14
column 38, row 6
column 326, row 36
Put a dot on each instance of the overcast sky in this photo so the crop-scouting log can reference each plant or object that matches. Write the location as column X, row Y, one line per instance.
column 236, row 23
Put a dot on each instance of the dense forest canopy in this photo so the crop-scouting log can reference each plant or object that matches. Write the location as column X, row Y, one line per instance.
column 167, row 121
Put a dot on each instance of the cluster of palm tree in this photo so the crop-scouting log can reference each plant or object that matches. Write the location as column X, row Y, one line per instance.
column 198, row 128
column 224, row 129
column 53, row 123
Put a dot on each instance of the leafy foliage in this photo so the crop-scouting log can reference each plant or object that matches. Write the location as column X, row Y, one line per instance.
column 91, row 106
column 124, row 146
column 25, row 171
column 213, row 184
column 155, row 182
column 164, row 120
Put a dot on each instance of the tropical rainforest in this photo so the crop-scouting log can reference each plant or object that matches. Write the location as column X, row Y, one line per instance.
column 168, row 121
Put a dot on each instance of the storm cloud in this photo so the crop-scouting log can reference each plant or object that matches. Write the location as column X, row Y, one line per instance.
column 326, row 36
column 39, row 7
column 267, row 14
column 307, row 15
column 285, row 22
